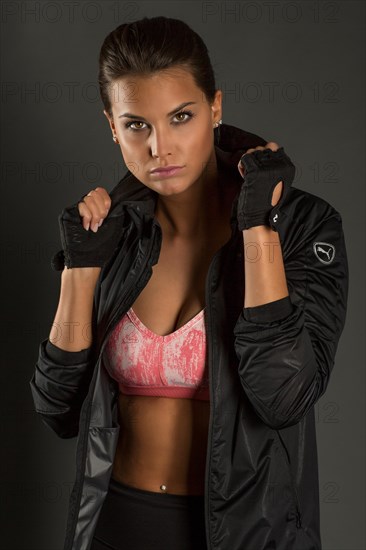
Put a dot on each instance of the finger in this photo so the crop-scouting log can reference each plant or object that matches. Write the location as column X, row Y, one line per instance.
column 98, row 202
column 105, row 196
column 85, row 214
column 96, row 206
column 247, row 152
column 101, row 199
column 272, row 145
column 95, row 214
column 91, row 213
column 250, row 150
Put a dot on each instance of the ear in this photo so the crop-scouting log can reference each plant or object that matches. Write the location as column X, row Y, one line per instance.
column 216, row 106
column 110, row 121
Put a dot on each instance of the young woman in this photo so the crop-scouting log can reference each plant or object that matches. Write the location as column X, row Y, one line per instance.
column 206, row 298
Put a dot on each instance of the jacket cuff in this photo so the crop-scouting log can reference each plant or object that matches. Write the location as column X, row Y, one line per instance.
column 64, row 357
column 273, row 311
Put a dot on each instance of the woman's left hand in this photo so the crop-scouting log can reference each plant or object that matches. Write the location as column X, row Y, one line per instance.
column 267, row 174
column 274, row 147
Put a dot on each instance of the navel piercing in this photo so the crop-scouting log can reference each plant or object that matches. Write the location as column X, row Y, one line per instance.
column 163, row 487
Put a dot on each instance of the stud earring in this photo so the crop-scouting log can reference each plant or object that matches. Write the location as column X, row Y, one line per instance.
column 115, row 139
column 216, row 124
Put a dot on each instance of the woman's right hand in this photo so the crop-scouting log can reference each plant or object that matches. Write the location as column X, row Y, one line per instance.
column 91, row 229
column 94, row 208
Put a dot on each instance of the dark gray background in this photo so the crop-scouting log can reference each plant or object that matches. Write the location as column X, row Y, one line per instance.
column 292, row 72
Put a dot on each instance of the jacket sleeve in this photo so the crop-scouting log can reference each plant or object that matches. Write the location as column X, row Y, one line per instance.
column 59, row 386
column 286, row 349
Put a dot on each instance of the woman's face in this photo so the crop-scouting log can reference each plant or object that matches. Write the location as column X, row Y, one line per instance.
column 154, row 132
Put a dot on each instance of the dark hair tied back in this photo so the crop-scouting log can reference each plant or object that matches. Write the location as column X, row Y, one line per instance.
column 149, row 45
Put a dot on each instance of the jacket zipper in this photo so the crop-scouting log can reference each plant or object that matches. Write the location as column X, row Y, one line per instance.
column 87, row 422
column 209, row 439
column 293, row 486
column 210, row 365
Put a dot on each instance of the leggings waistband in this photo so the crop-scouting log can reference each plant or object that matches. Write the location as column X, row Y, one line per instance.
column 155, row 497
column 137, row 519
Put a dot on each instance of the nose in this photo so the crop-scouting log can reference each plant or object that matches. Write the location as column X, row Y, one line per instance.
column 161, row 143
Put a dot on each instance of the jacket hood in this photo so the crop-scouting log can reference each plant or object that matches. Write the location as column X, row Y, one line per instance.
column 230, row 144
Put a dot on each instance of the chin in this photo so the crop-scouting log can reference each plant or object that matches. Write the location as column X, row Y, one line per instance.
column 169, row 190
column 170, row 186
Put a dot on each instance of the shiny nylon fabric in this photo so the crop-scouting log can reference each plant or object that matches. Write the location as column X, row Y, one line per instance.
column 261, row 473
column 100, row 429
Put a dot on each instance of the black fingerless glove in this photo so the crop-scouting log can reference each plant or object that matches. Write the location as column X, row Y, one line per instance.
column 263, row 170
column 84, row 248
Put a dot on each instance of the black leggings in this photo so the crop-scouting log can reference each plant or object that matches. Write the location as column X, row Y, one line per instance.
column 135, row 519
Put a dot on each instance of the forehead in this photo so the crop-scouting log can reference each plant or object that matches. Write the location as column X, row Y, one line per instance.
column 171, row 85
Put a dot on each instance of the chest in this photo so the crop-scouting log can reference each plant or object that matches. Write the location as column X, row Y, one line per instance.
column 175, row 292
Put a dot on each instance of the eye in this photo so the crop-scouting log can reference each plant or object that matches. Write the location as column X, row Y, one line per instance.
column 189, row 114
column 129, row 124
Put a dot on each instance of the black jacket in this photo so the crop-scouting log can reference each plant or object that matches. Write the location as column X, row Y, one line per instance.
column 268, row 366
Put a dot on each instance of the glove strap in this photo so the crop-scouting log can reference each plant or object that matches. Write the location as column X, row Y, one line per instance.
column 270, row 219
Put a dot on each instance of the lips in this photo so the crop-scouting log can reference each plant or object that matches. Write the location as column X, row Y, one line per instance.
column 165, row 168
column 166, row 173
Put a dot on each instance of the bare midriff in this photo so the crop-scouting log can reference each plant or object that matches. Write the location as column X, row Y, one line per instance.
column 162, row 443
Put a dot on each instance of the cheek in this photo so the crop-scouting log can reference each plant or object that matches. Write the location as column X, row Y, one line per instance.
column 132, row 155
column 128, row 148
column 202, row 147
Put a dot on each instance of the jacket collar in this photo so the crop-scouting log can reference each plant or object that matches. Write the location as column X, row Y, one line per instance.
column 230, row 146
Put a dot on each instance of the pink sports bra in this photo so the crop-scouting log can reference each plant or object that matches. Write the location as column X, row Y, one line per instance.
column 145, row 363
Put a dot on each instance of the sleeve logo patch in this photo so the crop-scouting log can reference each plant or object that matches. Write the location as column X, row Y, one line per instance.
column 325, row 252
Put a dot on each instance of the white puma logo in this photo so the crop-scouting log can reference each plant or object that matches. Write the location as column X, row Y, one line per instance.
column 327, row 252
column 327, row 249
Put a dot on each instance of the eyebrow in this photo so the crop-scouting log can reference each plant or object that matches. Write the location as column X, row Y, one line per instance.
column 130, row 115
